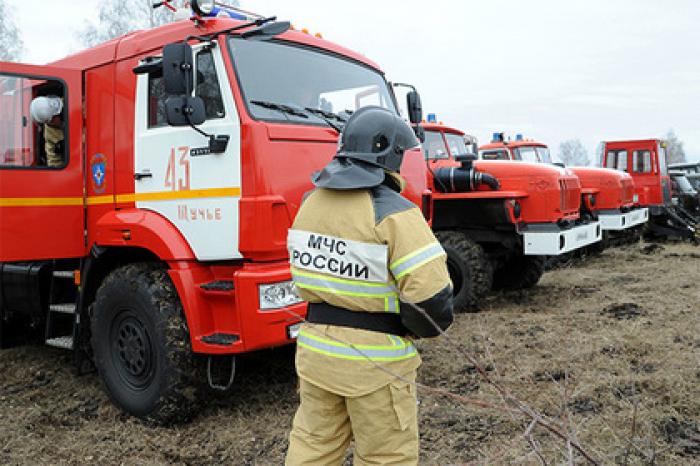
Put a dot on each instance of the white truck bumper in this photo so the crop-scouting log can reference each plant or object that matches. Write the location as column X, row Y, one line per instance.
column 553, row 242
column 623, row 221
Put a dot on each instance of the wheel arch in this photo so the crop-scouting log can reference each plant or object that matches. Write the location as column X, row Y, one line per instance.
column 102, row 261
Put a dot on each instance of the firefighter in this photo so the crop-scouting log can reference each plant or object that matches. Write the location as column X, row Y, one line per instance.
column 46, row 111
column 359, row 251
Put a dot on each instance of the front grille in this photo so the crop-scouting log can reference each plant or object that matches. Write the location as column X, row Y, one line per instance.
column 627, row 191
column 569, row 195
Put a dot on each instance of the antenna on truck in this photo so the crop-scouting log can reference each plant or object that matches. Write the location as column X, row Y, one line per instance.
column 166, row 4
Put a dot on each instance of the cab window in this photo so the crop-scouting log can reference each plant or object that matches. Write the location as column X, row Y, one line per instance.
column 206, row 86
column 641, row 161
column 543, row 154
column 434, row 146
column 526, row 154
column 32, row 139
column 156, row 101
column 616, row 159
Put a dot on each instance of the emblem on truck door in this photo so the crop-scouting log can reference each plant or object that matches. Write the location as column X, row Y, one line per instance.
column 98, row 168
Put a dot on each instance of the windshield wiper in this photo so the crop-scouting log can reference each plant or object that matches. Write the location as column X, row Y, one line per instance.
column 286, row 109
column 326, row 116
column 302, row 112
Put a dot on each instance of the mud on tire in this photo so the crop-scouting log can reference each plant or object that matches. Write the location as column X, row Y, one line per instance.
column 470, row 269
column 519, row 272
column 142, row 346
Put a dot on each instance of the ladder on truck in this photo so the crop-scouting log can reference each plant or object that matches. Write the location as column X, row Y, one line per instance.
column 62, row 318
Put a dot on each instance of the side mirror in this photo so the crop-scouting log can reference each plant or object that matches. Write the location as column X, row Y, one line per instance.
column 185, row 111
column 178, row 69
column 415, row 107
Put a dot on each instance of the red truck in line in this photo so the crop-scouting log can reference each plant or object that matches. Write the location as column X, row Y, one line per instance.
column 645, row 161
column 606, row 195
column 157, row 249
column 497, row 220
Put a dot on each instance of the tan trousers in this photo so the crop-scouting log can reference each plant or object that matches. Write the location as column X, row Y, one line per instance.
column 384, row 424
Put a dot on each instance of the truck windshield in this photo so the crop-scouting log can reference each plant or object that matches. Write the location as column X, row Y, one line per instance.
column 279, row 80
column 543, row 154
column 526, row 154
column 434, row 146
column 456, row 144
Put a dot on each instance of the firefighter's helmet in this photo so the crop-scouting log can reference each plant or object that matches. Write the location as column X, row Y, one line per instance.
column 373, row 141
column 42, row 109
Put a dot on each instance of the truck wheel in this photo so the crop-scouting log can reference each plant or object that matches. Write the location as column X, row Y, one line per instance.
column 142, row 345
column 519, row 272
column 469, row 267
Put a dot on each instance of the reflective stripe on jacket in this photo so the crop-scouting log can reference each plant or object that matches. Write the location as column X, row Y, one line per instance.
column 360, row 250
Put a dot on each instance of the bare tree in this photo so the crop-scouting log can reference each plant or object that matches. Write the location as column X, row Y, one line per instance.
column 572, row 152
column 674, row 148
column 118, row 17
column 599, row 151
column 11, row 45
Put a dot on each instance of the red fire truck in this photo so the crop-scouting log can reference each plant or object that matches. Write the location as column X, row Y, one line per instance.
column 606, row 194
column 497, row 220
column 157, row 247
column 645, row 161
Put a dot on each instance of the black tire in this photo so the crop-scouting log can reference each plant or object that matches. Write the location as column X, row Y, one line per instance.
column 519, row 272
column 142, row 346
column 470, row 270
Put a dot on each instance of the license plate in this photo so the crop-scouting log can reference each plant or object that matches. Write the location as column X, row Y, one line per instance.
column 293, row 331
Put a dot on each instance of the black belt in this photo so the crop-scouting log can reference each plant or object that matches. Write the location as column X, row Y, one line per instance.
column 324, row 313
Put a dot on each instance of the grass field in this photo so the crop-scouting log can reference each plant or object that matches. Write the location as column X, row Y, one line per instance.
column 609, row 348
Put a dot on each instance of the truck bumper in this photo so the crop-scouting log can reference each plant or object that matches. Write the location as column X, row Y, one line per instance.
column 223, row 311
column 623, row 220
column 552, row 240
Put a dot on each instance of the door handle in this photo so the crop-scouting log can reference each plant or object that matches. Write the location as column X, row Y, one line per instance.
column 141, row 175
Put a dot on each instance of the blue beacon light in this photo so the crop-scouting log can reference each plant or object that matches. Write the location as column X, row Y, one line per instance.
column 218, row 11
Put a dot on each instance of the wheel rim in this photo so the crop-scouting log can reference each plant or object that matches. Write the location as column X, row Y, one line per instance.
column 132, row 351
column 456, row 275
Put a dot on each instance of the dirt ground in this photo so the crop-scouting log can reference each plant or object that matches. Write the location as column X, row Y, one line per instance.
column 608, row 347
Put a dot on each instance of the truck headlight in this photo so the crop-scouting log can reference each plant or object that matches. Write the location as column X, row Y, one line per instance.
column 277, row 295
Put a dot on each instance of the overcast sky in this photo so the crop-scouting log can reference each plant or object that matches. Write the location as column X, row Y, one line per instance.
column 550, row 69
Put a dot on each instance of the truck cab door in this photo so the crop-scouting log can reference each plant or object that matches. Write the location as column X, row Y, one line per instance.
column 41, row 198
column 176, row 176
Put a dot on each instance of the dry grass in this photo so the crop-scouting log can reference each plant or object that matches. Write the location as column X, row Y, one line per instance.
column 611, row 348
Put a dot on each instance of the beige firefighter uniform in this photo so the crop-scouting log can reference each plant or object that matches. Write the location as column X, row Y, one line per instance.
column 53, row 136
column 359, row 250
